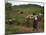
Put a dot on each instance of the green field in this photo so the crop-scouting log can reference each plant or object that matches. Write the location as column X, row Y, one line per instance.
column 18, row 13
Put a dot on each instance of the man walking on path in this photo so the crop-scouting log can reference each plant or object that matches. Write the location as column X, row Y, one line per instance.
column 35, row 22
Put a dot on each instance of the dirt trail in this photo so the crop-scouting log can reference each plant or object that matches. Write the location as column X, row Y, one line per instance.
column 26, row 29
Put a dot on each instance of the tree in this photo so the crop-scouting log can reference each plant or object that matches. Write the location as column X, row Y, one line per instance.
column 8, row 6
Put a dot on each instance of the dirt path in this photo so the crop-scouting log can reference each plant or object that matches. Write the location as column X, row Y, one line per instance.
column 26, row 29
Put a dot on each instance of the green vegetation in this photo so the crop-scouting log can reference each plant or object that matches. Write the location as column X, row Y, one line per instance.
column 19, row 13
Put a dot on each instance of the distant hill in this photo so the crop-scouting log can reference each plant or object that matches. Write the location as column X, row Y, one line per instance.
column 28, row 5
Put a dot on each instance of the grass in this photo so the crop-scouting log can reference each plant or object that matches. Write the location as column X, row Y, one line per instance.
column 20, row 18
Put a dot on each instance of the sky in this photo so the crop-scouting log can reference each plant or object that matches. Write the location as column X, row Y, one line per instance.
column 21, row 2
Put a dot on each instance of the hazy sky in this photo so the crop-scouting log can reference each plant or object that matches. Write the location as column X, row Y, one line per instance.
column 27, row 0
column 21, row 2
